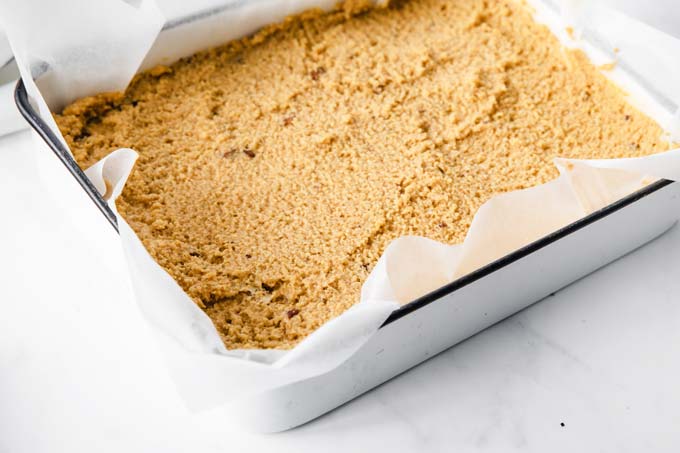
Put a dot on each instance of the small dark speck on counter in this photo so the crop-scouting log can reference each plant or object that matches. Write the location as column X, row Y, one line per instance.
column 562, row 424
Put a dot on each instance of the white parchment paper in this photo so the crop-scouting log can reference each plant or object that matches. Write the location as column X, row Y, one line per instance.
column 88, row 47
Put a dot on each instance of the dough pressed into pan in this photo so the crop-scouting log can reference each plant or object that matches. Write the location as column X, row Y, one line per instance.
column 274, row 170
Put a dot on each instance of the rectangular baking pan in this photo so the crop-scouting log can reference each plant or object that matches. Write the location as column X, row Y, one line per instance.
column 436, row 321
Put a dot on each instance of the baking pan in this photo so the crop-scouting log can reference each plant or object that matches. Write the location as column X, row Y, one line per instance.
column 438, row 320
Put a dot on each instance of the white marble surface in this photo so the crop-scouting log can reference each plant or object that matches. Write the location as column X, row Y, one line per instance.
column 79, row 373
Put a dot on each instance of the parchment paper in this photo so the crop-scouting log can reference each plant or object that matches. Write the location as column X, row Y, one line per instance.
column 88, row 47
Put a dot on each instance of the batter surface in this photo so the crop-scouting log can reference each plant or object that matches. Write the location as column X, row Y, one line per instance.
column 274, row 170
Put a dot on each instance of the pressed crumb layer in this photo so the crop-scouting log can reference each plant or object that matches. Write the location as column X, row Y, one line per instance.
column 274, row 170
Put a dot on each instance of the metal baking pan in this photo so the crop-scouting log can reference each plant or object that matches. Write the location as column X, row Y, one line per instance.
column 436, row 321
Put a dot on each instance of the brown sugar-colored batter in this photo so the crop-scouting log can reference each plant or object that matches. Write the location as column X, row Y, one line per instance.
column 274, row 170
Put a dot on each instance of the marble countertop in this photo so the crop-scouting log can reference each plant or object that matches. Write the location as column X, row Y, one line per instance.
column 593, row 368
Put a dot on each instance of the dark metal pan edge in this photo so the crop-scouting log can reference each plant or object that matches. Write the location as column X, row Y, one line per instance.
column 34, row 120
column 526, row 250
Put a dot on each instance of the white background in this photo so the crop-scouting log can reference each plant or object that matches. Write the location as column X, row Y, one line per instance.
column 79, row 373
